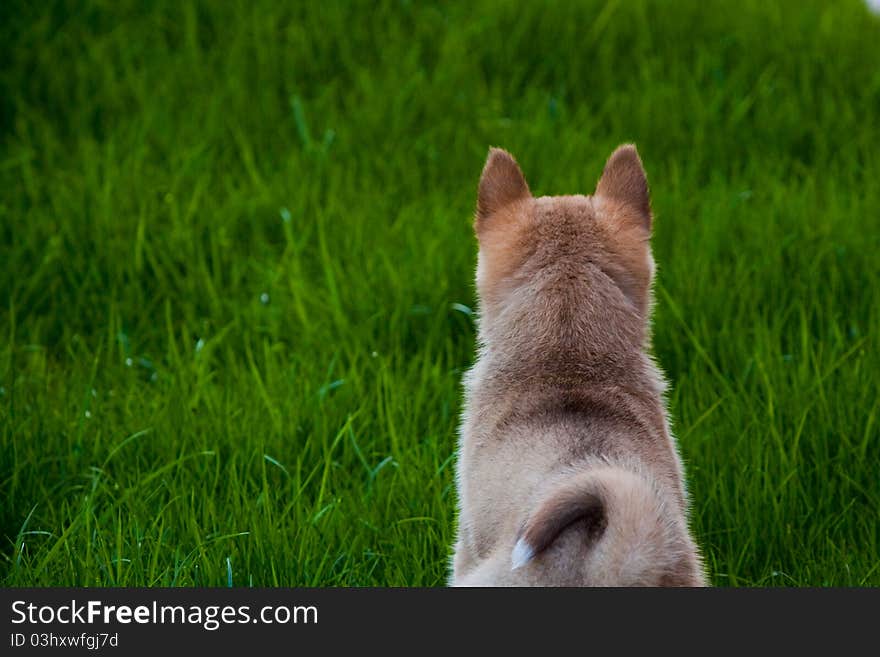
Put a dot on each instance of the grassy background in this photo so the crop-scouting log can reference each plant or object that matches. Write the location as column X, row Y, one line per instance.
column 236, row 281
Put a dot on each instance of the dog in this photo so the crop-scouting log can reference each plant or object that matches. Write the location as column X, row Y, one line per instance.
column 567, row 472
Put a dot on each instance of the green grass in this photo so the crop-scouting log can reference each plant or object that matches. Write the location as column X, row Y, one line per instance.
column 237, row 269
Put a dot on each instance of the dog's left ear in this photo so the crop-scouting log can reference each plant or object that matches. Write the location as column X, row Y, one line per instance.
column 501, row 184
column 624, row 180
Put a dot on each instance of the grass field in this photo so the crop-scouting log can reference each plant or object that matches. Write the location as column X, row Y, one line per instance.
column 236, row 288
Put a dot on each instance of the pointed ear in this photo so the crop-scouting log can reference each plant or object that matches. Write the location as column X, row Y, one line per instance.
column 624, row 180
column 501, row 184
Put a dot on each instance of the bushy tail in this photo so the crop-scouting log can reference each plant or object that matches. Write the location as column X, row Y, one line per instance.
column 632, row 536
column 579, row 498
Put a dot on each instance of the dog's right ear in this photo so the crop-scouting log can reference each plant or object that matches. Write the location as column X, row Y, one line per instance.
column 624, row 180
column 501, row 184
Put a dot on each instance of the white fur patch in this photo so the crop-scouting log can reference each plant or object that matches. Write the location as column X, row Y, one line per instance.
column 522, row 554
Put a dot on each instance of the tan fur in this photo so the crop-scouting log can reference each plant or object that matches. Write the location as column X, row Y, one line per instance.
column 566, row 466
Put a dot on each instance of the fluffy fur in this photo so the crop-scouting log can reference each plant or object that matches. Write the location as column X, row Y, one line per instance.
column 567, row 472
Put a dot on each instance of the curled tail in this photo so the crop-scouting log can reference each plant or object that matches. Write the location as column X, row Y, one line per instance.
column 632, row 537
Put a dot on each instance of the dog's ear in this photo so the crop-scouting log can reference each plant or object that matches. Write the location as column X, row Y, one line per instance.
column 501, row 184
column 624, row 180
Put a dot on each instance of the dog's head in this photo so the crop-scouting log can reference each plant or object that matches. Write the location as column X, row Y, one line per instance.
column 590, row 252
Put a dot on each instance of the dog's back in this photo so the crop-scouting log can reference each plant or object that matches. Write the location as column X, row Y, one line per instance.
column 567, row 473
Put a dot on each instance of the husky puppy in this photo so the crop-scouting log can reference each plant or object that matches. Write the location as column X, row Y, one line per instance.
column 567, row 472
